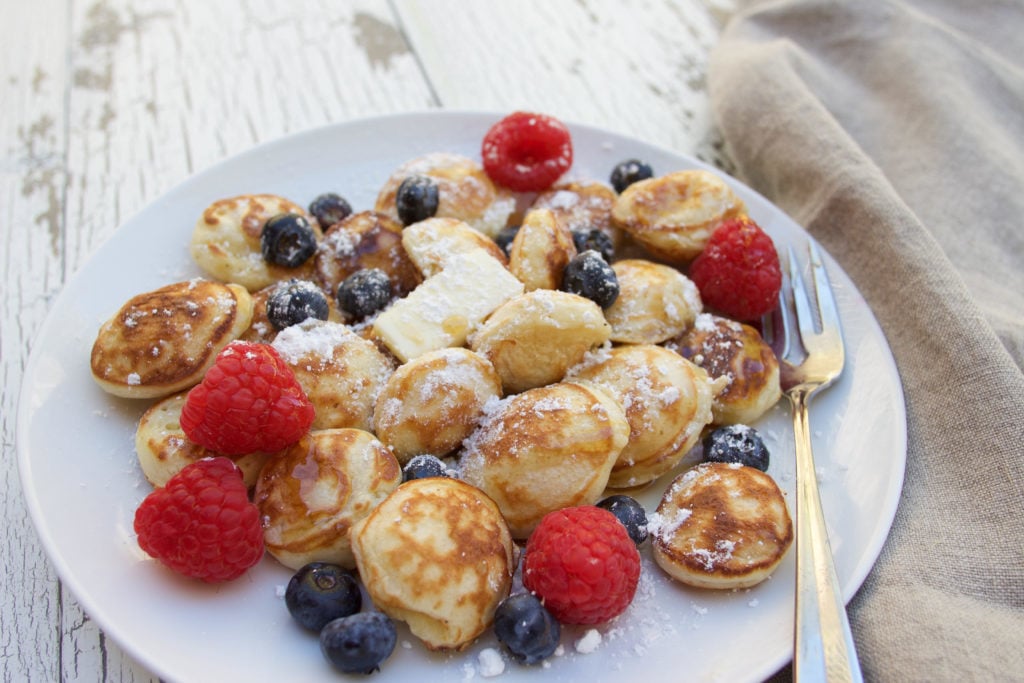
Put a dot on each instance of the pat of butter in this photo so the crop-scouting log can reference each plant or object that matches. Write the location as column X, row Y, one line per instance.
column 443, row 310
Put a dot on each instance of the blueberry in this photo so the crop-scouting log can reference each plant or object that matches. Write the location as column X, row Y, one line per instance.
column 416, row 199
column 630, row 512
column 526, row 628
column 364, row 292
column 423, row 467
column 597, row 240
column 736, row 443
column 589, row 275
column 628, row 172
column 358, row 644
column 505, row 236
column 330, row 208
column 293, row 301
column 321, row 592
column 287, row 240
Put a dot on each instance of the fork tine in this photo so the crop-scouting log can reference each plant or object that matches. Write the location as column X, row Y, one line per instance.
column 804, row 317
column 775, row 323
column 827, row 309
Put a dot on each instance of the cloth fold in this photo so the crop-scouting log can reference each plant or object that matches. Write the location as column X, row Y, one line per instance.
column 894, row 132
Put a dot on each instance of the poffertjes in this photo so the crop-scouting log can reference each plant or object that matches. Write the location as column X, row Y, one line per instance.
column 655, row 302
column 438, row 555
column 364, row 240
column 673, row 216
column 431, row 243
column 464, row 191
column 311, row 494
column 535, row 338
column 546, row 449
column 163, row 341
column 341, row 372
column 667, row 402
column 736, row 353
column 433, row 402
column 721, row 525
column 226, row 241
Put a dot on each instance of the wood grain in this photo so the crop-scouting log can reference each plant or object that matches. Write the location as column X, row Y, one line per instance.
column 110, row 103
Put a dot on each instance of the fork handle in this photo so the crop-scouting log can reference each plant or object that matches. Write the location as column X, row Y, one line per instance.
column 823, row 645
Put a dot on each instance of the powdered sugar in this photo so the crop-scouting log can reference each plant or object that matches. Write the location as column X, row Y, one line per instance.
column 312, row 337
column 663, row 526
column 589, row 643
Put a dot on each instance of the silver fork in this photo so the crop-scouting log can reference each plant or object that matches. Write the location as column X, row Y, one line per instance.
column 823, row 648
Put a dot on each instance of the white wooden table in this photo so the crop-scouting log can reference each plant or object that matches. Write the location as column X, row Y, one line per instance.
column 109, row 103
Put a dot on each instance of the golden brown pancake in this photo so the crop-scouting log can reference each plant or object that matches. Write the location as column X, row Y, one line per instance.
column 433, row 402
column 655, row 303
column 545, row 449
column 540, row 251
column 341, row 372
column 581, row 205
column 163, row 341
column 464, row 191
column 226, row 240
column 535, row 338
column 438, row 555
column 311, row 494
column 721, row 526
column 737, row 353
column 667, row 401
column 364, row 240
column 672, row 216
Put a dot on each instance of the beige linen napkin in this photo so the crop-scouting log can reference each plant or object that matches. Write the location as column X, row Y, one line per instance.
column 894, row 131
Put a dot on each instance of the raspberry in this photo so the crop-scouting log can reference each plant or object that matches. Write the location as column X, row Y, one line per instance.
column 248, row 401
column 201, row 524
column 527, row 152
column 738, row 272
column 581, row 562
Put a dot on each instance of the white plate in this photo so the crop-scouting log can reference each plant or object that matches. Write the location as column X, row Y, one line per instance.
column 82, row 481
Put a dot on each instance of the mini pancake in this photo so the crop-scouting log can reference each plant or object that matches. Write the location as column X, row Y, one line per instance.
column 164, row 450
column 736, row 352
column 655, row 302
column 667, row 401
column 431, row 243
column 364, row 240
column 226, row 240
column 433, row 402
column 545, row 449
column 535, row 338
column 464, row 191
column 540, row 251
column 341, row 372
column 311, row 494
column 436, row 554
column 722, row 526
column 163, row 341
column 581, row 205
column 673, row 216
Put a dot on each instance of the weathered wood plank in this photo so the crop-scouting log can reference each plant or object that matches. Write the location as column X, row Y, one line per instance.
column 163, row 89
column 32, row 234
column 634, row 67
